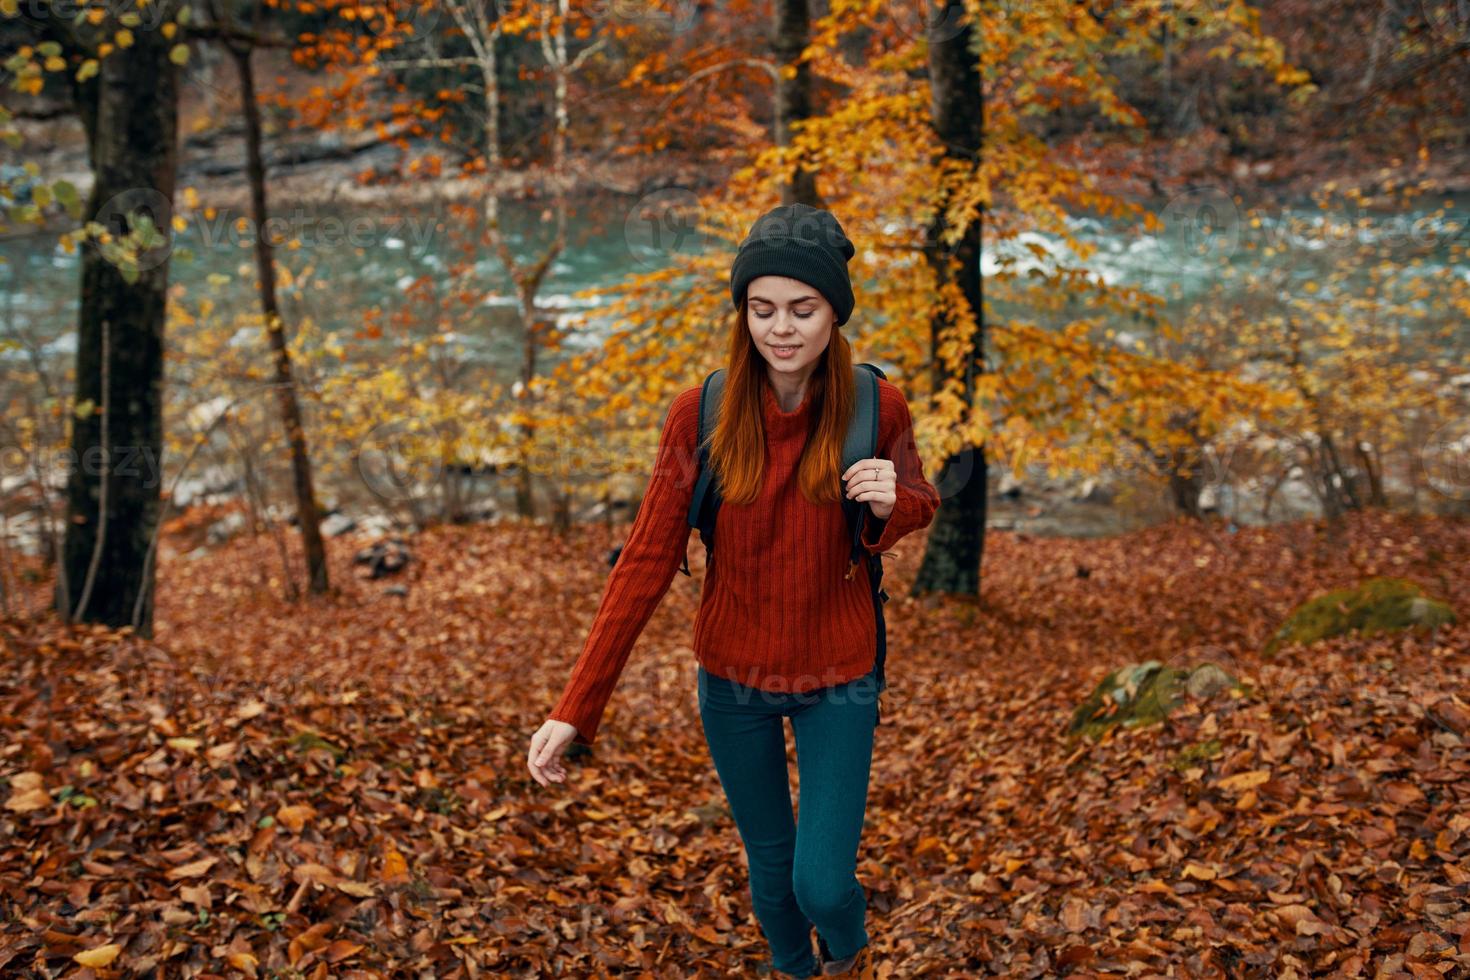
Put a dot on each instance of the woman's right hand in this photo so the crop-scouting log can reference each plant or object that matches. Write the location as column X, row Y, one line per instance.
column 547, row 746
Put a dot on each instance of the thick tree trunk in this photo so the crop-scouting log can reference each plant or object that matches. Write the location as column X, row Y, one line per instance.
column 1372, row 473
column 308, row 515
column 130, row 113
column 1186, row 489
column 790, row 34
column 956, row 542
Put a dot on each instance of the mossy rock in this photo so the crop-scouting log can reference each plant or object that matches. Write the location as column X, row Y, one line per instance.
column 308, row 741
column 1135, row 695
column 1376, row 605
column 1195, row 755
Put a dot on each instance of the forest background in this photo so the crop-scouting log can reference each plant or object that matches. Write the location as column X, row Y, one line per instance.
column 336, row 340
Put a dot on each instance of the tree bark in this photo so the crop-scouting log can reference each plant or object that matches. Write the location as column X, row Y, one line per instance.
column 129, row 111
column 791, row 31
column 1185, row 489
column 1372, row 473
column 308, row 515
column 956, row 541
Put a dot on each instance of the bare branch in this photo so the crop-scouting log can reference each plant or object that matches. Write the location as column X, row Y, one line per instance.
column 464, row 61
column 769, row 67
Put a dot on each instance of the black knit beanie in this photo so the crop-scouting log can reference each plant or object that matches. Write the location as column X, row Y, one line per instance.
column 800, row 242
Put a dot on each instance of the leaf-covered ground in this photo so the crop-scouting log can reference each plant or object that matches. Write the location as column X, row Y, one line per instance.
column 338, row 787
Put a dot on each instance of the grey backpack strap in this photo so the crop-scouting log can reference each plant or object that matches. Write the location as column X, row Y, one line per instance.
column 861, row 443
column 862, row 430
column 705, row 502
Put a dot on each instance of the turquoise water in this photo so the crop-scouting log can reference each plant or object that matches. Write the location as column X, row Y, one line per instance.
column 351, row 261
column 366, row 258
column 1216, row 250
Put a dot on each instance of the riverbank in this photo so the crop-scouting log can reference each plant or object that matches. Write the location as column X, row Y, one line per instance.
column 381, row 165
column 211, row 511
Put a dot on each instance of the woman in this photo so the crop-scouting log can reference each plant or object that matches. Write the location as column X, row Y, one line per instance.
column 782, row 630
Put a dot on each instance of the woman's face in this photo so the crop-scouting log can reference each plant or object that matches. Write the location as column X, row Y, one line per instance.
column 790, row 323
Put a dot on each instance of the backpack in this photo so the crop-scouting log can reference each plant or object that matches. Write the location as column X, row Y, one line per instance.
column 861, row 443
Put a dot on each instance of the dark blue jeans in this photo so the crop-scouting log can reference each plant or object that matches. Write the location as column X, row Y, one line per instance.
column 803, row 869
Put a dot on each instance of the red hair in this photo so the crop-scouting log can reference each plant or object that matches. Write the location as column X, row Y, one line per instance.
column 737, row 446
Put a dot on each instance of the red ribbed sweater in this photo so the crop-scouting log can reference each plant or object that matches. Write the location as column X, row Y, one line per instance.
column 776, row 611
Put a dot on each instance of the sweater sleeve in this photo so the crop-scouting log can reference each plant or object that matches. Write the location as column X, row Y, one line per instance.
column 916, row 500
column 642, row 573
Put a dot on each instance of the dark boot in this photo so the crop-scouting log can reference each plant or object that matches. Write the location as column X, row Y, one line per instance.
column 859, row 966
column 824, row 956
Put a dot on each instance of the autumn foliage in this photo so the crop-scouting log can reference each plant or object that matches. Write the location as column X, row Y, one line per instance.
column 341, row 789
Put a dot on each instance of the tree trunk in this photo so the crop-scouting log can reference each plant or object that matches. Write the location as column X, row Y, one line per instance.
column 790, row 34
column 525, row 502
column 1185, row 490
column 308, row 515
column 1372, row 473
column 561, row 510
column 130, row 113
column 957, row 536
column 527, row 276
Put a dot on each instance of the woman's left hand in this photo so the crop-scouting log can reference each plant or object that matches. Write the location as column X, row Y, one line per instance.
column 873, row 480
